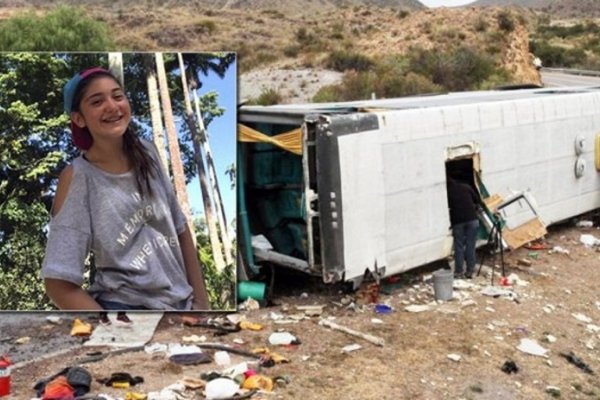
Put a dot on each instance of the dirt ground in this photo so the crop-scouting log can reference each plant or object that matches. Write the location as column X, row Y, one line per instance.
column 413, row 363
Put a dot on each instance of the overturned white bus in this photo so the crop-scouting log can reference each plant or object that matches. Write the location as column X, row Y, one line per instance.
column 367, row 188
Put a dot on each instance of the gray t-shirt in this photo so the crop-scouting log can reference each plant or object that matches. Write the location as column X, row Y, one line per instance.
column 137, row 254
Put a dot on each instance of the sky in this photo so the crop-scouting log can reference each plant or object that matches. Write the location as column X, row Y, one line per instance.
column 222, row 139
column 445, row 3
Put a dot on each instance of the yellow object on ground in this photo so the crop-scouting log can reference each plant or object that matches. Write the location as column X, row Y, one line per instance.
column 250, row 326
column 81, row 328
column 290, row 141
column 597, row 152
column 277, row 358
column 120, row 385
column 258, row 382
column 135, row 396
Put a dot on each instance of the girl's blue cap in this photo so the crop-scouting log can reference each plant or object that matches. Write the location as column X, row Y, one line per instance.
column 71, row 86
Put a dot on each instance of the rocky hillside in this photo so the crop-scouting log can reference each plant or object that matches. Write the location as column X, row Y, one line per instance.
column 556, row 8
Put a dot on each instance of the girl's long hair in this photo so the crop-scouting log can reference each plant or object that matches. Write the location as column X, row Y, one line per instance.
column 144, row 166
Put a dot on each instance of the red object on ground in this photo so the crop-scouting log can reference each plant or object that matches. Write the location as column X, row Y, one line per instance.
column 4, row 376
column 504, row 281
column 59, row 389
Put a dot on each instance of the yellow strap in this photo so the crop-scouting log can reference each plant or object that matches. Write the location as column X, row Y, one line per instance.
column 290, row 141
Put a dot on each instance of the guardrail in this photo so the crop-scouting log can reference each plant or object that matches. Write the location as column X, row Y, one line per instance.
column 570, row 71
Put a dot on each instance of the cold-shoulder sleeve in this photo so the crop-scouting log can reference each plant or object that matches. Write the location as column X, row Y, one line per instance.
column 69, row 238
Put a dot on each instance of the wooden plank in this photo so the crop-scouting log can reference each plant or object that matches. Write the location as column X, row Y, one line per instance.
column 523, row 234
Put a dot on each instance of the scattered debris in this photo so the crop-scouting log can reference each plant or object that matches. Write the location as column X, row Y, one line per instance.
column 81, row 328
column 524, row 262
column 53, row 319
column 369, row 338
column 383, row 309
column 589, row 240
column 584, row 224
column 553, row 391
column 415, row 308
column 573, row 359
column 550, row 339
column 510, row 367
column 23, row 340
column 454, row 357
column 282, row 338
column 582, row 318
column 532, row 347
column 515, row 280
column 351, row 347
column 311, row 311
column 221, row 388
column 560, row 250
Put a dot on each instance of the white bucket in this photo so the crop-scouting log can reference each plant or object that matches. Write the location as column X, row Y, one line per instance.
column 443, row 280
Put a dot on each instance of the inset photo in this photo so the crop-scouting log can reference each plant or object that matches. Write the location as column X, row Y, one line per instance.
column 117, row 181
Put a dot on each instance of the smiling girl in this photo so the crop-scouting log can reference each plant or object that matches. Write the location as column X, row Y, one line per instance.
column 116, row 201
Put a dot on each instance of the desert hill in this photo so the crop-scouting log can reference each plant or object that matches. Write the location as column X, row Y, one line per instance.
column 556, row 8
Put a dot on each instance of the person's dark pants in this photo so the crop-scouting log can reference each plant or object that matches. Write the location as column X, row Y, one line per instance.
column 465, row 236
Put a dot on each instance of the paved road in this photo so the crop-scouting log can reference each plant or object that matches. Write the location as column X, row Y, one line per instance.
column 556, row 79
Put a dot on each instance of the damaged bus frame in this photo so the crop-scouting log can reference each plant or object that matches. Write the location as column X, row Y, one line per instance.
column 367, row 191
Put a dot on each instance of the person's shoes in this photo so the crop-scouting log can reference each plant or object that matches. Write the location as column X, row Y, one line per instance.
column 104, row 321
column 468, row 276
column 123, row 320
column 459, row 275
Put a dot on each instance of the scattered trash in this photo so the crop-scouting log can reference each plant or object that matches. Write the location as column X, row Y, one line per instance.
column 23, row 340
column 584, row 224
column 282, row 338
column 553, row 391
column 560, row 250
column 524, row 262
column 221, row 388
column 222, row 358
column 249, row 305
column 247, row 325
column 192, row 383
column 490, row 309
column 368, row 293
column 81, row 328
column 238, row 341
column 582, row 318
column 493, row 291
column 515, row 280
column 510, row 367
column 537, row 246
column 533, row 254
column 532, row 347
column 351, row 347
column 304, row 295
column 415, row 308
column 121, row 380
column 454, row 357
column 53, row 319
column 468, row 303
column 550, row 338
column 369, row 338
column 376, row 321
column 573, row 359
column 311, row 311
column 589, row 240
column 593, row 328
column 383, row 309
column 548, row 308
column 155, row 348
column 258, row 381
column 504, row 281
column 193, row 339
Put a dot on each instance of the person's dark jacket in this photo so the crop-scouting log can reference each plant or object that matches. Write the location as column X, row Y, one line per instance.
column 463, row 202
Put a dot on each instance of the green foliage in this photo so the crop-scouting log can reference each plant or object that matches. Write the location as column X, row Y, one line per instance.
column 456, row 70
column 422, row 71
column 64, row 28
column 219, row 285
column 341, row 60
column 266, row 98
column 564, row 32
column 558, row 56
column 505, row 21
